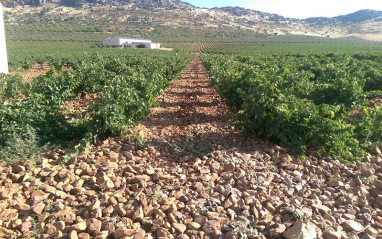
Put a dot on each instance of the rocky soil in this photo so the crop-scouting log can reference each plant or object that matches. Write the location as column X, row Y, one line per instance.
column 189, row 175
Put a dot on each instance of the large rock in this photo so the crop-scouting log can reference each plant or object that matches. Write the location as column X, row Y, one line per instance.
column 120, row 233
column 375, row 150
column 379, row 199
column 25, row 227
column 179, row 227
column 378, row 184
column 211, row 226
column 301, row 230
column 332, row 235
column 38, row 208
column 277, row 231
column 79, row 227
column 138, row 215
column 5, row 233
column 73, row 235
column 351, row 225
column 94, row 226
column 140, row 234
column 322, row 208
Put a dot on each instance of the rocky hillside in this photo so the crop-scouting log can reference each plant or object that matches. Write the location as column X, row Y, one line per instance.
column 176, row 14
column 81, row 3
column 363, row 22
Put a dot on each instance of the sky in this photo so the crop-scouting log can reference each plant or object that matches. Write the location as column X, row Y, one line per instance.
column 296, row 8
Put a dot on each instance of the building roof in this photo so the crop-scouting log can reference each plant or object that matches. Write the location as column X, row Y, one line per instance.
column 131, row 38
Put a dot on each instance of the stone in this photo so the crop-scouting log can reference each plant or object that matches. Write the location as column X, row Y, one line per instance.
column 22, row 207
column 79, row 227
column 229, row 167
column 16, row 223
column 138, row 214
column 73, row 235
column 108, row 226
column 198, row 186
column 211, row 226
column 378, row 184
column 182, row 236
column 50, row 229
column 366, row 236
column 231, row 235
column 179, row 227
column 38, row 208
column 217, row 234
column 108, row 210
column 277, row 231
column 60, row 225
column 94, row 205
column 351, row 225
column 18, row 168
column 371, row 231
column 184, row 159
column 119, row 208
column 213, row 216
column 368, row 172
column 128, row 155
column 335, row 183
column 375, row 150
column 301, row 230
column 25, row 227
column 83, row 235
column 366, row 217
column 321, row 208
column 193, row 226
column 332, row 235
column 120, row 233
column 58, row 234
column 94, row 226
column 140, row 234
column 162, row 233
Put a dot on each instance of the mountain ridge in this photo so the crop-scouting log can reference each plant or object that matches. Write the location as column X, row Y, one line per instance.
column 176, row 13
column 358, row 16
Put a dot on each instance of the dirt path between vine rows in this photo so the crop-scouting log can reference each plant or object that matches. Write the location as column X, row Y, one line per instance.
column 190, row 175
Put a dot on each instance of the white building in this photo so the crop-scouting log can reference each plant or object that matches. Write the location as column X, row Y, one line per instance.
column 3, row 49
column 130, row 43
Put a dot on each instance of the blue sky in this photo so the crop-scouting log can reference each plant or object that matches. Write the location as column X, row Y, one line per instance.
column 296, row 8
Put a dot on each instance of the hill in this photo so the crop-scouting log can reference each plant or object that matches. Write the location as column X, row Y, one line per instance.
column 149, row 15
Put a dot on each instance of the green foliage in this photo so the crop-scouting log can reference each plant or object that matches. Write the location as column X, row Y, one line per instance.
column 21, row 145
column 127, row 86
column 10, row 85
column 306, row 102
column 141, row 142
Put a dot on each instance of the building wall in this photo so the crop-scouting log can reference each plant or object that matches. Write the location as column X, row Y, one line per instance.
column 155, row 46
column 118, row 41
column 3, row 48
column 111, row 42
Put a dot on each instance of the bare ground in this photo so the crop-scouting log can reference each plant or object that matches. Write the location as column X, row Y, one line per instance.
column 30, row 74
column 189, row 175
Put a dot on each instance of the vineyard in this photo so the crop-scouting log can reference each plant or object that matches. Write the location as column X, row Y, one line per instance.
column 107, row 95
column 73, row 32
column 271, row 139
column 315, row 102
column 322, row 98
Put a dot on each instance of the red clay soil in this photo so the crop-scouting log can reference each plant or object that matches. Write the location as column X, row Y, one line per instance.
column 197, row 178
